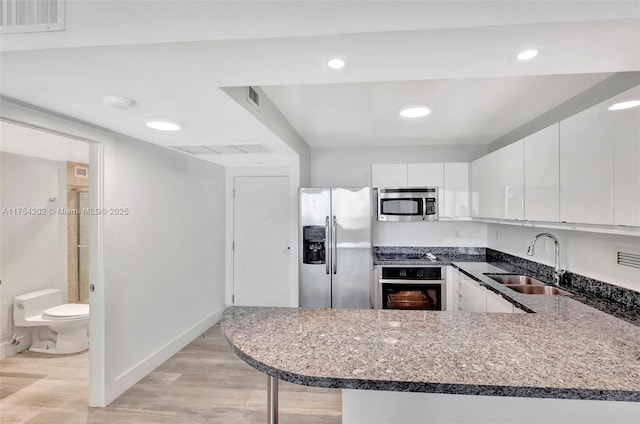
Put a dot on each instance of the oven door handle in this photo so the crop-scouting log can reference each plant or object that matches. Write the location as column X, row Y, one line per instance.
column 385, row 281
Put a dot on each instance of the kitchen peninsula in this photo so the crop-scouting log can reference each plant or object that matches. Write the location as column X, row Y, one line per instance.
column 566, row 359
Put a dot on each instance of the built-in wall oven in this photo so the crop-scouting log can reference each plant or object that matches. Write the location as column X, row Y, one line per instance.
column 411, row 287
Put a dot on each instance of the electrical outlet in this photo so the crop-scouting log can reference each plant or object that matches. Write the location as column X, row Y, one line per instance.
column 498, row 235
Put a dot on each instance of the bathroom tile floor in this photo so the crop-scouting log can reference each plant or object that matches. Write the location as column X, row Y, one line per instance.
column 203, row 383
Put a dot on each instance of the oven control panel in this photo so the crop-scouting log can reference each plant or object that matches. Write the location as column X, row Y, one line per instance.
column 411, row 273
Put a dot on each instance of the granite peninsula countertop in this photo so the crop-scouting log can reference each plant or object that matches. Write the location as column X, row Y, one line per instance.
column 564, row 350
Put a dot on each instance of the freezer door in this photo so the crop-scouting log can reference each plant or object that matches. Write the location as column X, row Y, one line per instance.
column 315, row 279
column 351, row 267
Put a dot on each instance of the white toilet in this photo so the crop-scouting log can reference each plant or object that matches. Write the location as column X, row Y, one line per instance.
column 58, row 328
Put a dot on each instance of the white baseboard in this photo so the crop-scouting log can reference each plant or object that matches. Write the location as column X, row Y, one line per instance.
column 7, row 349
column 134, row 374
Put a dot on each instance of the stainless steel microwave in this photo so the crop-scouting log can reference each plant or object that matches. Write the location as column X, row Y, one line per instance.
column 408, row 204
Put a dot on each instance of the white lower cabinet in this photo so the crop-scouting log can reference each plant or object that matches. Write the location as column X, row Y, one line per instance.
column 497, row 303
column 468, row 295
column 472, row 296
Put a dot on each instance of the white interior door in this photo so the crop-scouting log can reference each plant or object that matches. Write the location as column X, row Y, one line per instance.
column 261, row 241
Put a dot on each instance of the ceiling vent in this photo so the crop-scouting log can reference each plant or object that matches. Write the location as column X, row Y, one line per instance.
column 21, row 16
column 253, row 97
column 223, row 149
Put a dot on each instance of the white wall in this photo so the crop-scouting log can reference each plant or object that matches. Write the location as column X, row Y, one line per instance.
column 589, row 254
column 33, row 248
column 164, row 262
column 351, row 167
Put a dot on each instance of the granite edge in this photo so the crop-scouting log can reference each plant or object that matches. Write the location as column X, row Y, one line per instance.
column 442, row 388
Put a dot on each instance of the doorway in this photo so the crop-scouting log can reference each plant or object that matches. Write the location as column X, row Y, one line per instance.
column 52, row 146
column 78, row 240
column 261, row 243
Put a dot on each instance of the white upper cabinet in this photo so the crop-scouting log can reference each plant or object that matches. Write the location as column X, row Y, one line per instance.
column 510, row 181
column 484, row 193
column 456, row 190
column 407, row 175
column 425, row 174
column 542, row 175
column 389, row 175
column 586, row 167
column 626, row 160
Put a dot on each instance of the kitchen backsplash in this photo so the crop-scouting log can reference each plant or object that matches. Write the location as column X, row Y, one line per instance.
column 440, row 233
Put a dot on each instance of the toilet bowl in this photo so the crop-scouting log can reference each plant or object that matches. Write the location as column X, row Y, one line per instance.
column 57, row 328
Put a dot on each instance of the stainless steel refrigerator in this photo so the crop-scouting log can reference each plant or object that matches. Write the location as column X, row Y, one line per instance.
column 335, row 240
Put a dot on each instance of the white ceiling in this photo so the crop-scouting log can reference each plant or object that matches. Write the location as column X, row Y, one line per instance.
column 35, row 143
column 463, row 111
column 172, row 57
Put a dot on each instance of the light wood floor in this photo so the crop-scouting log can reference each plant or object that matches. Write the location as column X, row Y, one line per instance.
column 203, row 383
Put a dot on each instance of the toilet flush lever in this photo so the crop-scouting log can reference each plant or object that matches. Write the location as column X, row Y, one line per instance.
column 19, row 306
column 92, row 288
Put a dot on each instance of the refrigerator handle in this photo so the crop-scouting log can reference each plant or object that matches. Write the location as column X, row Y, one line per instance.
column 334, row 249
column 327, row 243
column 424, row 208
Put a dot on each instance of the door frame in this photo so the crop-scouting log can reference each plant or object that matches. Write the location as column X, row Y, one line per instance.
column 293, row 172
column 43, row 120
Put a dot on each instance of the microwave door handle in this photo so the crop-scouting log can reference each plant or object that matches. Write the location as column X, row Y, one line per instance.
column 424, row 208
column 327, row 245
column 334, row 249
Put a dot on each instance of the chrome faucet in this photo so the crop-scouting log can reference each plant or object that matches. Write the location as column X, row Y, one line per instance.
column 557, row 274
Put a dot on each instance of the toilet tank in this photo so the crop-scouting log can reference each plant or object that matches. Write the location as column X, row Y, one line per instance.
column 34, row 303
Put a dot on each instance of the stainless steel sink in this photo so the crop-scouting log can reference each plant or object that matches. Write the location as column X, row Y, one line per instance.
column 515, row 280
column 527, row 285
column 549, row 290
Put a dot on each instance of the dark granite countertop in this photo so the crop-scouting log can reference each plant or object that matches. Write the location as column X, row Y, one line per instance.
column 565, row 350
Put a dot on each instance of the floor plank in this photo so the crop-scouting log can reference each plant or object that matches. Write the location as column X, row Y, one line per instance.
column 203, row 383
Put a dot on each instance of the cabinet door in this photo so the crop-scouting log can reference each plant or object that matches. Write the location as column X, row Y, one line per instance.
column 586, row 167
column 484, row 194
column 626, row 160
column 472, row 296
column 425, row 174
column 496, row 303
column 542, row 175
column 510, row 166
column 456, row 190
column 389, row 175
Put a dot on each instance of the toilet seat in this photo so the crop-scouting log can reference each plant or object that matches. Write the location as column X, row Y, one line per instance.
column 68, row 311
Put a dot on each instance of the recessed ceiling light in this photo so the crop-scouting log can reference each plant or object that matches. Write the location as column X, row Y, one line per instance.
column 163, row 124
column 119, row 102
column 527, row 54
column 415, row 111
column 336, row 62
column 624, row 105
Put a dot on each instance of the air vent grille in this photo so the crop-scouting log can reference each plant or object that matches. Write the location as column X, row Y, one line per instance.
column 223, row 149
column 19, row 16
column 629, row 259
column 253, row 97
